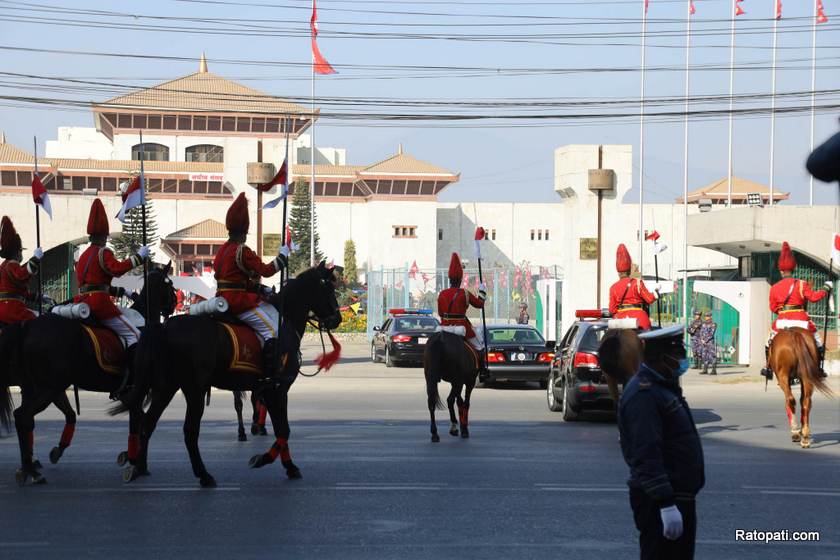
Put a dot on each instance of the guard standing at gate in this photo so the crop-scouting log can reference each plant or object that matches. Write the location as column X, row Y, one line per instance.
column 661, row 446
column 707, row 344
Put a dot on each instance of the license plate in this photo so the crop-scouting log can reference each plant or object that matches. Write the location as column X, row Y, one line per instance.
column 422, row 340
column 520, row 357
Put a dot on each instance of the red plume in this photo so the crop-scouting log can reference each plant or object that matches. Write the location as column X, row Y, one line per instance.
column 456, row 270
column 623, row 262
column 479, row 233
column 787, row 262
column 328, row 360
column 237, row 219
column 97, row 219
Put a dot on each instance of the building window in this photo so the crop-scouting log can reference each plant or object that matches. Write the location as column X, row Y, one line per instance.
column 206, row 153
column 532, row 235
column 546, row 235
column 67, row 183
column 493, row 234
column 440, row 234
column 405, row 232
column 151, row 152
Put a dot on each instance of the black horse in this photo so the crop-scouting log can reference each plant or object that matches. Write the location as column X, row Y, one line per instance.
column 447, row 358
column 53, row 353
column 193, row 354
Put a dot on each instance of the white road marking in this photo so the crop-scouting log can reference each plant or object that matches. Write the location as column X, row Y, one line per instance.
column 801, row 493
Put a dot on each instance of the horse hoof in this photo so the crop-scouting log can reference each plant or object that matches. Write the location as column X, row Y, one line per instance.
column 255, row 429
column 435, row 438
column 242, row 436
column 36, row 464
column 122, row 458
column 795, row 438
column 55, row 454
column 207, row 481
column 20, row 477
column 805, row 443
column 257, row 461
column 294, row 473
column 263, row 431
column 465, row 434
column 130, row 474
column 454, row 432
column 38, row 478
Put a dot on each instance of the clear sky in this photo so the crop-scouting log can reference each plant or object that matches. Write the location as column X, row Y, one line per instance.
column 460, row 50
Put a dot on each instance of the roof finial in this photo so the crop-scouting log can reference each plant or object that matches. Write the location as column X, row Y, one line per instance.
column 2, row 137
column 202, row 64
column 399, row 149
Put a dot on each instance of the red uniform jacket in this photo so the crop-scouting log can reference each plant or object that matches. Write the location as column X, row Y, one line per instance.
column 794, row 309
column 94, row 271
column 13, row 290
column 636, row 295
column 452, row 308
column 238, row 268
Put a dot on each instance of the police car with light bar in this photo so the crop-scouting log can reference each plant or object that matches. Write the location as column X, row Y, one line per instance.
column 402, row 338
column 575, row 381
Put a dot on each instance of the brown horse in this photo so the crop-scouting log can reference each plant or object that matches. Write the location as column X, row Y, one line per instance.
column 793, row 354
column 620, row 355
column 447, row 358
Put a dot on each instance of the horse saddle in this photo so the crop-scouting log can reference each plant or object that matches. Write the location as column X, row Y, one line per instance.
column 474, row 353
column 247, row 350
column 107, row 347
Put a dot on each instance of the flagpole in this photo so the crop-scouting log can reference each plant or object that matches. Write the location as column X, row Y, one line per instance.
column 731, row 102
column 642, row 147
column 38, row 232
column 312, row 174
column 143, row 215
column 284, row 273
column 813, row 96
column 776, row 16
column 685, row 159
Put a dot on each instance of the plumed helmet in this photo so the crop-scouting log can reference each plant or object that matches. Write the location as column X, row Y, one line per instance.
column 97, row 220
column 786, row 260
column 237, row 220
column 10, row 243
column 456, row 269
column 622, row 259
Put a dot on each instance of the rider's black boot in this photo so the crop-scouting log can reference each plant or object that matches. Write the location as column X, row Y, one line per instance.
column 124, row 385
column 714, row 368
column 270, row 360
column 766, row 371
column 821, row 353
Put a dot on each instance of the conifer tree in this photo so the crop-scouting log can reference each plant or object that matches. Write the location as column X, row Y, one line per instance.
column 131, row 239
column 351, row 274
column 300, row 218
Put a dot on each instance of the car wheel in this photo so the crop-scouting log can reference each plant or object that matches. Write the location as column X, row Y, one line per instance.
column 569, row 414
column 551, row 398
column 373, row 357
column 388, row 361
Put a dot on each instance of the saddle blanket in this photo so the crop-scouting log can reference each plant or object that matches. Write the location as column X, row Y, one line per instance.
column 474, row 354
column 247, row 351
column 108, row 349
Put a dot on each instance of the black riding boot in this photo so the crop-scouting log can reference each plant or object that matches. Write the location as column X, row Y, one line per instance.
column 714, row 368
column 821, row 353
column 124, row 384
column 270, row 360
column 766, row 371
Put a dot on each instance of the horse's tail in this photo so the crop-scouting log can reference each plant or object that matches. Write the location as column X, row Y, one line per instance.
column 149, row 361
column 432, row 368
column 10, row 340
column 808, row 366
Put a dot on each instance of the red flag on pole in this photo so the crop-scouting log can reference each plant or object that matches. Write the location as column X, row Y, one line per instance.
column 691, row 9
column 778, row 9
column 40, row 196
column 739, row 11
column 412, row 272
column 652, row 236
column 821, row 17
column 646, row 5
column 319, row 63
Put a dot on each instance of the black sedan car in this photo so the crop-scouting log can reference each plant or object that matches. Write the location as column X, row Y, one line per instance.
column 517, row 353
column 575, row 381
column 402, row 337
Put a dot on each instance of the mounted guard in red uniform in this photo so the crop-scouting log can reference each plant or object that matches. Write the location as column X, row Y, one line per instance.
column 789, row 299
column 14, row 276
column 629, row 297
column 454, row 301
column 238, row 270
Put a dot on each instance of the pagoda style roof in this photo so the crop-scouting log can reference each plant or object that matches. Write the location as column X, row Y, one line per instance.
column 718, row 191
column 404, row 164
column 13, row 154
column 134, row 165
column 203, row 92
column 207, row 229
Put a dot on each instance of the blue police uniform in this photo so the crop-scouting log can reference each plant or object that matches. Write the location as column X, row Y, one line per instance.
column 661, row 446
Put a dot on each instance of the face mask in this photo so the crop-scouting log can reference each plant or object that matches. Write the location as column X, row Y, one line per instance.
column 682, row 366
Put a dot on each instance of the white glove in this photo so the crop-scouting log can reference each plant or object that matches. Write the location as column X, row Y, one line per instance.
column 143, row 252
column 482, row 287
column 38, row 253
column 672, row 522
column 284, row 250
column 829, row 285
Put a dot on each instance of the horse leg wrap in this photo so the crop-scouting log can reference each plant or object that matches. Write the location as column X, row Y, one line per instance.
column 133, row 446
column 262, row 413
column 281, row 448
column 67, row 436
column 789, row 415
column 463, row 415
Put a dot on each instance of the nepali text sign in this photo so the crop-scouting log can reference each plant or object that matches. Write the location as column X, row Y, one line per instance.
column 207, row 177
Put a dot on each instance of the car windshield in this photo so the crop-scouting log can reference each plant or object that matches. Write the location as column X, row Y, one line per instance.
column 592, row 338
column 514, row 336
column 423, row 324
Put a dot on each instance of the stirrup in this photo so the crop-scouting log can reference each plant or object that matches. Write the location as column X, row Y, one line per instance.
column 767, row 373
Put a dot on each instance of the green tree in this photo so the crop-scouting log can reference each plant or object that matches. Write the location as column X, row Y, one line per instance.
column 351, row 274
column 300, row 219
column 131, row 239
